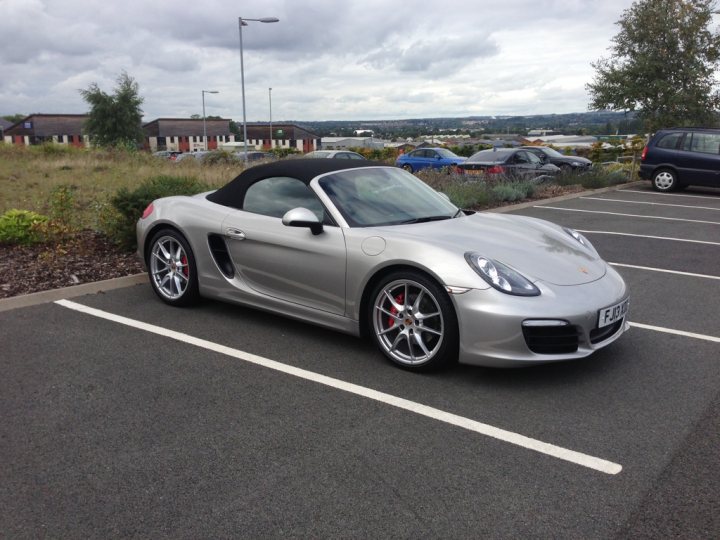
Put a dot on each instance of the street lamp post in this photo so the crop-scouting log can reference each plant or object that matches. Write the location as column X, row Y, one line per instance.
column 270, row 97
column 243, row 22
column 204, row 125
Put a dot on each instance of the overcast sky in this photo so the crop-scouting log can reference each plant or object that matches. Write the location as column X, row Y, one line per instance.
column 325, row 59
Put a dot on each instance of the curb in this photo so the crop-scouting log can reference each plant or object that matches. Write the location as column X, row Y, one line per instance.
column 96, row 287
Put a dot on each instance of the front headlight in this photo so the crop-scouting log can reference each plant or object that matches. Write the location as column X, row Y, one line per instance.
column 581, row 239
column 501, row 277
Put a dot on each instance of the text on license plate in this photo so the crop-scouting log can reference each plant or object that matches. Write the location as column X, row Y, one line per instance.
column 612, row 314
column 475, row 171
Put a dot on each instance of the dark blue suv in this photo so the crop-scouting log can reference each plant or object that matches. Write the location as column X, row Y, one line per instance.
column 679, row 157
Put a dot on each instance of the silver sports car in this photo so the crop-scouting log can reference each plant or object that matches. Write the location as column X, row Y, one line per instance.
column 363, row 247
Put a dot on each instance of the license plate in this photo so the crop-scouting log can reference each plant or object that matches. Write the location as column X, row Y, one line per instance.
column 609, row 315
column 478, row 172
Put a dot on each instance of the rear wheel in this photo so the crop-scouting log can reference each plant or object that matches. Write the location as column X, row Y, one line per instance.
column 413, row 322
column 408, row 168
column 665, row 180
column 172, row 268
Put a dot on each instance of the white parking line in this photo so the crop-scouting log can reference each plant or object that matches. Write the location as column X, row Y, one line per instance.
column 626, row 215
column 649, row 236
column 651, row 203
column 565, row 454
column 688, row 274
column 669, row 194
column 675, row 332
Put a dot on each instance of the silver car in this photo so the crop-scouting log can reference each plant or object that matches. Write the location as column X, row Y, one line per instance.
column 363, row 247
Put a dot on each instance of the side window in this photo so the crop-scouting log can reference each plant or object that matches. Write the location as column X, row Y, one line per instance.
column 520, row 157
column 355, row 156
column 670, row 140
column 275, row 196
column 707, row 143
column 533, row 158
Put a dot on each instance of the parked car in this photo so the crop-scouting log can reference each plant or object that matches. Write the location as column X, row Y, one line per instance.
column 363, row 247
column 166, row 154
column 566, row 163
column 198, row 156
column 422, row 158
column 254, row 155
column 516, row 163
column 680, row 157
column 333, row 154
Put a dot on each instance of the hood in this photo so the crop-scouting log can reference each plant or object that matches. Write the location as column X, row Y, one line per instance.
column 538, row 249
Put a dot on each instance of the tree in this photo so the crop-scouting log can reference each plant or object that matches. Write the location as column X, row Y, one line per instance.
column 14, row 118
column 115, row 120
column 662, row 65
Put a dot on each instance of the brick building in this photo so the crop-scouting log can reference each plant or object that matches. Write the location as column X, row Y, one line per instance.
column 185, row 134
column 41, row 128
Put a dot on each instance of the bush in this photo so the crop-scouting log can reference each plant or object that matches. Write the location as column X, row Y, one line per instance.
column 597, row 177
column 127, row 206
column 221, row 157
column 467, row 194
column 22, row 227
column 512, row 191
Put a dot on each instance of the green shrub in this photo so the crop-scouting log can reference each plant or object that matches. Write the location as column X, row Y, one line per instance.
column 22, row 227
column 467, row 194
column 127, row 206
column 221, row 157
column 512, row 191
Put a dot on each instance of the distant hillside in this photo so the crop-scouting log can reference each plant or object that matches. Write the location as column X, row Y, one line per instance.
column 592, row 123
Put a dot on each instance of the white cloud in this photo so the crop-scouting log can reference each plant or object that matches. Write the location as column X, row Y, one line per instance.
column 357, row 59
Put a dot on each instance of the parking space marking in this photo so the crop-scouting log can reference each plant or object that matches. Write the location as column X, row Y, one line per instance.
column 675, row 332
column 535, row 445
column 626, row 215
column 688, row 274
column 651, row 203
column 669, row 194
column 652, row 237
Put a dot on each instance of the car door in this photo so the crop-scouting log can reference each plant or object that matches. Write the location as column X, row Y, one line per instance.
column 525, row 164
column 287, row 263
column 703, row 158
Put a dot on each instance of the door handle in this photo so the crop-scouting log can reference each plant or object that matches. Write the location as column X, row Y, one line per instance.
column 235, row 234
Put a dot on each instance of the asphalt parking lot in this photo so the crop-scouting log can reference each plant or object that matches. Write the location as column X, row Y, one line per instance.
column 132, row 418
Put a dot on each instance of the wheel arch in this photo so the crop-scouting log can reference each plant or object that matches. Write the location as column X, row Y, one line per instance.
column 153, row 231
column 378, row 276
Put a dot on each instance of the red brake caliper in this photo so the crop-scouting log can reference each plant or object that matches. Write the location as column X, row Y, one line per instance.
column 185, row 270
column 400, row 298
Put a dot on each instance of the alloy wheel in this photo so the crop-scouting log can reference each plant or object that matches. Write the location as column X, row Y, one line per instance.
column 408, row 322
column 169, row 267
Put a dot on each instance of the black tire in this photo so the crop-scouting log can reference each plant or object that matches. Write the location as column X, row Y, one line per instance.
column 408, row 167
column 172, row 269
column 665, row 180
column 565, row 168
column 413, row 322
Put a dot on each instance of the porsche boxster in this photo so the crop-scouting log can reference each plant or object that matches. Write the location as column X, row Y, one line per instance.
column 367, row 248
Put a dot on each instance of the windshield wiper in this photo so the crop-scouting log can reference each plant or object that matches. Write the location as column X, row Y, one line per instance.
column 424, row 219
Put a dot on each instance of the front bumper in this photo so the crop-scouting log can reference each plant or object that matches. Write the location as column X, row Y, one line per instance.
column 491, row 322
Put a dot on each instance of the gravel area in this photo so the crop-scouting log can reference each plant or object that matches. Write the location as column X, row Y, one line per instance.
column 85, row 257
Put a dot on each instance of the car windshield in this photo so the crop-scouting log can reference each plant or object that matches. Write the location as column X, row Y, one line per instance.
column 492, row 156
column 384, row 196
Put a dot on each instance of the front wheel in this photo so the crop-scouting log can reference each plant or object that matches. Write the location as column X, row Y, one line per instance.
column 665, row 180
column 413, row 322
column 172, row 268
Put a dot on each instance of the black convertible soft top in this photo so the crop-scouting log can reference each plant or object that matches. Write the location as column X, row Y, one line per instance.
column 233, row 193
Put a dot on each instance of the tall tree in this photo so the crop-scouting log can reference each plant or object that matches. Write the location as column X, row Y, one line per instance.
column 115, row 120
column 662, row 65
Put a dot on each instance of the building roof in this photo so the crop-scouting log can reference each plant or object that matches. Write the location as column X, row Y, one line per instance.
column 186, row 127
column 46, row 125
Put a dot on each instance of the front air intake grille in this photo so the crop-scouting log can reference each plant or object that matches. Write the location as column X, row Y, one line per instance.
column 601, row 334
column 552, row 339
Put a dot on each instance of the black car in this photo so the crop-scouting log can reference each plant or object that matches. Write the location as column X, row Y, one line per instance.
column 680, row 157
column 566, row 163
column 515, row 163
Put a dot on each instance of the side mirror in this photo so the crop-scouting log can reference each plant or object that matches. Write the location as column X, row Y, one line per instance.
column 302, row 217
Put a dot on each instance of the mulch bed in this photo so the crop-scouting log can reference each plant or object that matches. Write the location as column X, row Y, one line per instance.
column 85, row 257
